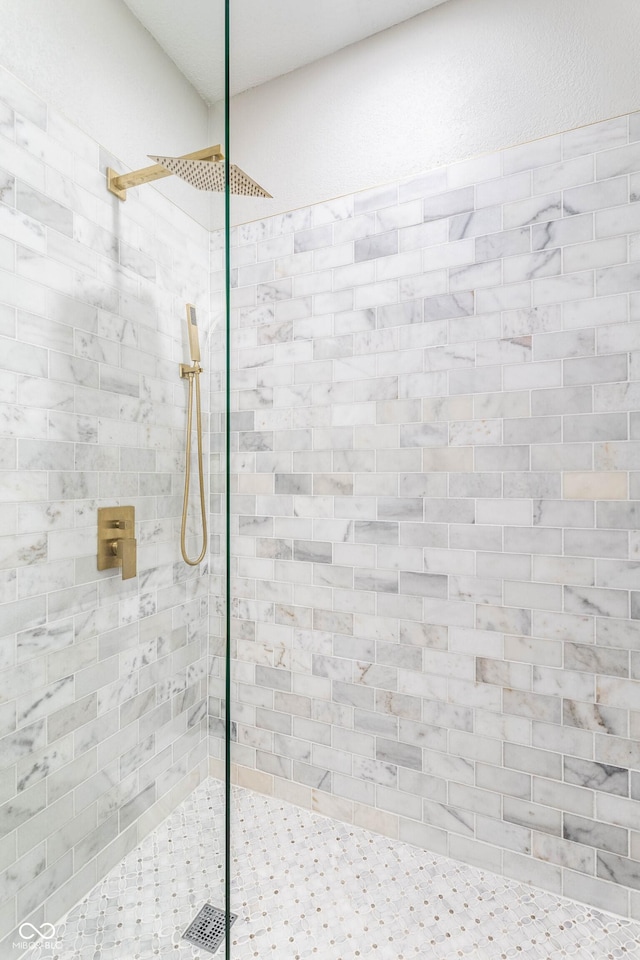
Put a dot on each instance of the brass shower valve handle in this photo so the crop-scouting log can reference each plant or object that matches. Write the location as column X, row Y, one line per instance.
column 124, row 549
column 117, row 550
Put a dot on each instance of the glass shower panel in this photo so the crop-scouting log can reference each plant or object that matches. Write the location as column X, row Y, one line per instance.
column 434, row 503
column 112, row 675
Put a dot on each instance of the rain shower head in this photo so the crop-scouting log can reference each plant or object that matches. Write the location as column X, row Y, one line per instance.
column 209, row 175
column 204, row 169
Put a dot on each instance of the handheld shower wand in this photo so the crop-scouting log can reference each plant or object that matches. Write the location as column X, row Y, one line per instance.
column 192, row 374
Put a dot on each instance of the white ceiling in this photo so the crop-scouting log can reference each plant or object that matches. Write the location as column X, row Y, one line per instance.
column 268, row 37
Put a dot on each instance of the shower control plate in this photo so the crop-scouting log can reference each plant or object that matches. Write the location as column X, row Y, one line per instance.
column 116, row 539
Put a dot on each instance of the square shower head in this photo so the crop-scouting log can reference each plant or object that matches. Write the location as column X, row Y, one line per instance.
column 209, row 175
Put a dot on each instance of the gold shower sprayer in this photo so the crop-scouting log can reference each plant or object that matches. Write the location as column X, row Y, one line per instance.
column 204, row 170
column 192, row 374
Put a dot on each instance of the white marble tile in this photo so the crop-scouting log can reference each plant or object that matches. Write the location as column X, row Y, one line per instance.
column 595, row 196
column 595, row 137
column 343, row 311
column 528, row 156
column 567, row 173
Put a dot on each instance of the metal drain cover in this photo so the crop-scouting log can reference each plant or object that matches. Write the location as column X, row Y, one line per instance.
column 207, row 930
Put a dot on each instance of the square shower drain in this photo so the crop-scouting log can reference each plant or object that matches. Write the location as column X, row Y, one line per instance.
column 207, row 929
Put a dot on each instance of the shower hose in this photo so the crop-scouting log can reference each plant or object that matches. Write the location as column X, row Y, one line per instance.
column 193, row 375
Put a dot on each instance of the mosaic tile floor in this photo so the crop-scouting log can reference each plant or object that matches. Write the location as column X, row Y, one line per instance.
column 309, row 888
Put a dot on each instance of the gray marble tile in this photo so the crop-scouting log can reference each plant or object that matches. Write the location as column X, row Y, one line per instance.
column 601, row 776
column 621, row 870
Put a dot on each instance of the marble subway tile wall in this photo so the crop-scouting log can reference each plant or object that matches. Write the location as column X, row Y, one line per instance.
column 102, row 681
column 437, row 491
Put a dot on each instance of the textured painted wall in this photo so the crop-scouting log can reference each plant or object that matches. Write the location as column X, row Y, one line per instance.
column 436, row 500
column 102, row 681
column 465, row 78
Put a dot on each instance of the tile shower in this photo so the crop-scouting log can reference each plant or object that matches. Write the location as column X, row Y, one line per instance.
column 103, row 682
column 437, row 493
column 434, row 508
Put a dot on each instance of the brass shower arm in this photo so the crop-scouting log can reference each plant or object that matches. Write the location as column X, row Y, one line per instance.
column 119, row 183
